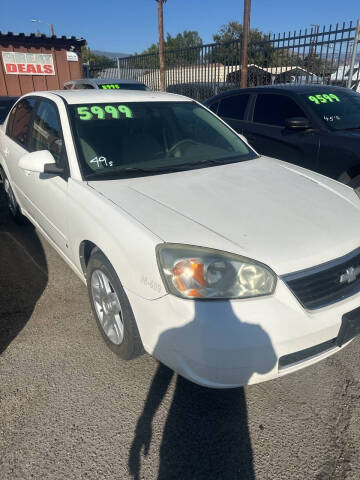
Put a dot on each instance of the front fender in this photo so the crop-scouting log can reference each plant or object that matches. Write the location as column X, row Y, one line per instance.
column 129, row 245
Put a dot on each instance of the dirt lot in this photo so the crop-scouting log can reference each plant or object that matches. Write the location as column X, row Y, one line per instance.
column 71, row 410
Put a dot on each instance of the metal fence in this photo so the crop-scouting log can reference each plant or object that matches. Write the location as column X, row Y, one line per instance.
column 328, row 55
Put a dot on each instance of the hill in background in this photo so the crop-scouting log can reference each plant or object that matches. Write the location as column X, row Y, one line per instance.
column 111, row 54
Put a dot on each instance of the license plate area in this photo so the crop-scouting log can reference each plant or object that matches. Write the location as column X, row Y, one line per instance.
column 350, row 327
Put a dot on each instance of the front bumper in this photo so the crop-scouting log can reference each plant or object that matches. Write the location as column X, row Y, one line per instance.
column 225, row 344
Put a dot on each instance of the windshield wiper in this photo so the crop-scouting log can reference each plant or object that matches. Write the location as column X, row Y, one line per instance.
column 143, row 171
column 352, row 128
column 115, row 174
column 168, row 168
column 219, row 161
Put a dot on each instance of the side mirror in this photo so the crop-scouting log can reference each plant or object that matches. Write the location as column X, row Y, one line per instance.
column 298, row 123
column 41, row 161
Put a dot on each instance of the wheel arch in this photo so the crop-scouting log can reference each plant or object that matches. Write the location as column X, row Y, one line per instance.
column 86, row 248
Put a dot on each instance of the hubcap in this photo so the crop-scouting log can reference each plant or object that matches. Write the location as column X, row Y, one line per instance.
column 11, row 200
column 107, row 306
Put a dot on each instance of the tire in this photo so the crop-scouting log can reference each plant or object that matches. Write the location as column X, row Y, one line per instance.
column 111, row 308
column 11, row 202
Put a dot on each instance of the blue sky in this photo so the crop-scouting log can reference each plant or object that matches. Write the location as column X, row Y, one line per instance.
column 131, row 25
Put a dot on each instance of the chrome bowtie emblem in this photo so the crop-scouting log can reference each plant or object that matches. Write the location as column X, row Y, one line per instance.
column 350, row 275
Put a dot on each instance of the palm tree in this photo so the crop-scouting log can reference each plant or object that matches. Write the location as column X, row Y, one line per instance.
column 161, row 43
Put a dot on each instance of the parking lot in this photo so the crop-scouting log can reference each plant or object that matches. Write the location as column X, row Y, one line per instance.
column 71, row 410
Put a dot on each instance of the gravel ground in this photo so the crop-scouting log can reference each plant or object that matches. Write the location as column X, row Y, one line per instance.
column 70, row 409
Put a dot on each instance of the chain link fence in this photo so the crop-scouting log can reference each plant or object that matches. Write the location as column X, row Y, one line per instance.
column 328, row 55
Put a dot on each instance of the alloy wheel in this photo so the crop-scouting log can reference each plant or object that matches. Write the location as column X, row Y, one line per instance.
column 107, row 306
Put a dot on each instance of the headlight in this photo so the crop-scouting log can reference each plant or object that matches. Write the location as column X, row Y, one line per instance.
column 197, row 272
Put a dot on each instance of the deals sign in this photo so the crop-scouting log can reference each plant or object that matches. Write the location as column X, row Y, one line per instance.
column 18, row 63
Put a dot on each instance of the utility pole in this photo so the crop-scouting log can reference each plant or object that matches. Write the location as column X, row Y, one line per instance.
column 353, row 56
column 314, row 38
column 245, row 44
column 161, row 44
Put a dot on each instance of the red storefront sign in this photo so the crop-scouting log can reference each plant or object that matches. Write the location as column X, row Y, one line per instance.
column 17, row 63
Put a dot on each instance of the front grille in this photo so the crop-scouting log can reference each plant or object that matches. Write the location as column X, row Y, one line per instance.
column 320, row 286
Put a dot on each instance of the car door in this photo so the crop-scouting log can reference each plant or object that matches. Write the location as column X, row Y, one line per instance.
column 47, row 193
column 233, row 109
column 338, row 155
column 269, row 136
column 16, row 145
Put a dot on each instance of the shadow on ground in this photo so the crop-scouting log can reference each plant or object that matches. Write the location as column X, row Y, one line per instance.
column 206, row 435
column 23, row 274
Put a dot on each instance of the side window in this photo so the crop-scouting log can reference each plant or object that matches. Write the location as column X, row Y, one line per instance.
column 46, row 133
column 20, row 119
column 273, row 109
column 213, row 107
column 10, row 122
column 233, row 107
column 5, row 107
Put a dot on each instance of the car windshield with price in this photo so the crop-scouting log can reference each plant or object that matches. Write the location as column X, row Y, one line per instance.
column 129, row 139
column 340, row 111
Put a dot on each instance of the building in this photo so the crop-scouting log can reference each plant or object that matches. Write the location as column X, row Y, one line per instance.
column 274, row 75
column 341, row 77
column 38, row 62
column 216, row 73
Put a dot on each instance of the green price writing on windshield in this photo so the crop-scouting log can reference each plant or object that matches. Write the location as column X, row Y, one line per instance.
column 324, row 98
column 95, row 112
column 110, row 86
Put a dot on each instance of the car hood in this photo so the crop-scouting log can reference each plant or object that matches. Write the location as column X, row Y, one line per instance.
column 282, row 215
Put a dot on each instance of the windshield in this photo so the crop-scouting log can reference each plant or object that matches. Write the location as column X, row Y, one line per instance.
column 123, row 86
column 340, row 110
column 115, row 140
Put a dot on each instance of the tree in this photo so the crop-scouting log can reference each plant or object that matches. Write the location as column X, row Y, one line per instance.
column 178, row 50
column 184, row 49
column 228, row 50
column 183, row 40
column 261, row 52
column 187, row 39
column 233, row 31
column 183, row 45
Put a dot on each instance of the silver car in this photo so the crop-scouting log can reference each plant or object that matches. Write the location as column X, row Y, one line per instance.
column 104, row 84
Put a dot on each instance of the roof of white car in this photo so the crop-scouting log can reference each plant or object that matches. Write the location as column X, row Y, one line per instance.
column 98, row 96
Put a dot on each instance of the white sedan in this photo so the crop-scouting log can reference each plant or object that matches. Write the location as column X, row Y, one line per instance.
column 228, row 267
